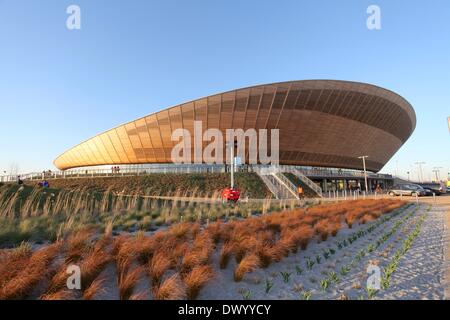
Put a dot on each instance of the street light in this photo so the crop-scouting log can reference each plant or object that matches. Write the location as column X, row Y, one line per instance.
column 232, row 145
column 420, row 163
column 437, row 173
column 365, row 172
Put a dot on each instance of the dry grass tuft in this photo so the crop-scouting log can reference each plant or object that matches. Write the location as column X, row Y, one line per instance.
column 350, row 218
column 139, row 296
column 322, row 229
column 145, row 249
column 59, row 295
column 225, row 254
column 77, row 244
column 196, row 279
column 127, row 281
column 248, row 264
column 304, row 235
column 12, row 262
column 215, row 231
column 268, row 254
column 171, row 289
column 159, row 264
column 95, row 288
column 180, row 230
column 25, row 280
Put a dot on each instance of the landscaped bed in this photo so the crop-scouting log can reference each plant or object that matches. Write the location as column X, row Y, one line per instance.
column 293, row 254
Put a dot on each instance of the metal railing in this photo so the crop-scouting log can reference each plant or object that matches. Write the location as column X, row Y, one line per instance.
column 126, row 171
column 280, row 186
column 270, row 185
column 311, row 184
column 353, row 194
column 286, row 183
column 307, row 172
column 340, row 173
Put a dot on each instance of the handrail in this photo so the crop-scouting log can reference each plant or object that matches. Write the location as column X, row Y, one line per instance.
column 187, row 168
column 272, row 188
column 304, row 179
column 282, row 179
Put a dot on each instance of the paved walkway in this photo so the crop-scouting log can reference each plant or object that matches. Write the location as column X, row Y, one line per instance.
column 443, row 205
column 446, row 211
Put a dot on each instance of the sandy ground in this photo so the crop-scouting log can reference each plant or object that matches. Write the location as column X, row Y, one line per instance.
column 442, row 204
column 340, row 265
column 446, row 209
column 422, row 272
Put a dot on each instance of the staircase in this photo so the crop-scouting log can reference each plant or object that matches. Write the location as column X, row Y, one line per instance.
column 282, row 187
column 289, row 190
column 308, row 182
column 268, row 181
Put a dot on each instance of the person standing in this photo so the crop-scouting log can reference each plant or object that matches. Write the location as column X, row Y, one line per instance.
column 300, row 192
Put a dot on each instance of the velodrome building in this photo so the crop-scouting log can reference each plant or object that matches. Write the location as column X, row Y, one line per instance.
column 322, row 124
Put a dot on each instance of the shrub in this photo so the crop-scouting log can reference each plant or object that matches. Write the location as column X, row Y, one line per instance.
column 171, row 289
column 196, row 279
column 158, row 265
column 248, row 264
column 225, row 254
column 23, row 283
column 322, row 229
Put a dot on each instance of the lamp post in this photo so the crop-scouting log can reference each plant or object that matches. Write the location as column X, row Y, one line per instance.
column 407, row 172
column 437, row 173
column 420, row 163
column 365, row 172
column 232, row 145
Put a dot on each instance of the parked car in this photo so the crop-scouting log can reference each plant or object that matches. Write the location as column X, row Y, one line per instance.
column 407, row 190
column 430, row 192
column 436, row 188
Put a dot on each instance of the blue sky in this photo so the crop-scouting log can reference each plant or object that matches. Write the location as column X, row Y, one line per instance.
column 131, row 58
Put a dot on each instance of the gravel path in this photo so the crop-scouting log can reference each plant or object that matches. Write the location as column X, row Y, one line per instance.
column 342, row 274
column 420, row 271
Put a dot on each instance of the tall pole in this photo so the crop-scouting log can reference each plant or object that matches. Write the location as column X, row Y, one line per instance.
column 420, row 163
column 365, row 172
column 232, row 164
column 437, row 172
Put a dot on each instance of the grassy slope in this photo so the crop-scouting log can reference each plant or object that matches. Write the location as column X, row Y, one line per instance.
column 168, row 184
column 41, row 222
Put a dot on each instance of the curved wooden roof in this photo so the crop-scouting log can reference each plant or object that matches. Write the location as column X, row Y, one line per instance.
column 325, row 123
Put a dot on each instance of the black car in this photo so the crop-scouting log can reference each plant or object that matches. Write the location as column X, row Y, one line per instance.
column 430, row 192
column 435, row 188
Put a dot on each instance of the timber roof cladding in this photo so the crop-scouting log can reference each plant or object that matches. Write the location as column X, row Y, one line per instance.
column 322, row 110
